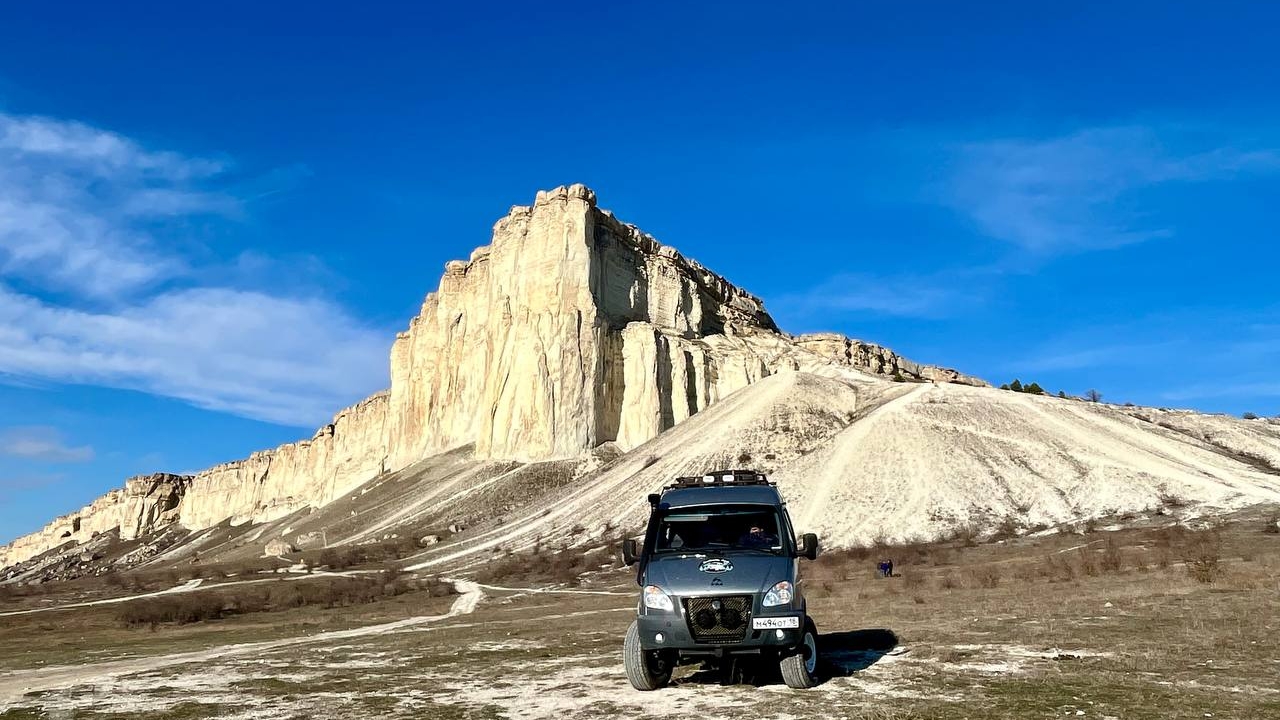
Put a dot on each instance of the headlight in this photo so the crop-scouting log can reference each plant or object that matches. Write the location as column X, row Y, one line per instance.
column 779, row 594
column 656, row 599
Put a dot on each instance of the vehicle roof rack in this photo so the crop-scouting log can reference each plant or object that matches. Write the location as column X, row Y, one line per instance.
column 720, row 478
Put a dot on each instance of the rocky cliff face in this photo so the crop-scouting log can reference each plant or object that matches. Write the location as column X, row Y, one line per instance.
column 569, row 330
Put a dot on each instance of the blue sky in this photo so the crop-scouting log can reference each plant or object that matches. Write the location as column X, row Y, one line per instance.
column 213, row 220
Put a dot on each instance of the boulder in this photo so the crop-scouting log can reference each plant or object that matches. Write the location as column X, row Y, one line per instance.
column 278, row 546
column 309, row 540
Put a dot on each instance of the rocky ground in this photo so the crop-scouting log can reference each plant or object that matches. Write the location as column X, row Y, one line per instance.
column 1154, row 621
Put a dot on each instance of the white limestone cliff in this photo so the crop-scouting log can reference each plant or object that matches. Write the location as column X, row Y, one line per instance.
column 568, row 330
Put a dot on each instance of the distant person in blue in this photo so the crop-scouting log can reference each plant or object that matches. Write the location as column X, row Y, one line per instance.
column 886, row 568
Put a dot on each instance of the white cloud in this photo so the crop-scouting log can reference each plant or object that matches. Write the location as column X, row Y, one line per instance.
column 283, row 360
column 94, row 290
column 38, row 442
column 1074, row 192
column 74, row 203
column 922, row 296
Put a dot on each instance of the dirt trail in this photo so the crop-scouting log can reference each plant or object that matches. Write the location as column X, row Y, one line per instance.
column 188, row 586
column 13, row 685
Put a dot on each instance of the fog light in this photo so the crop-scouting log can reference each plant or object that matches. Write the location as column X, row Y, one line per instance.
column 658, row 638
column 781, row 635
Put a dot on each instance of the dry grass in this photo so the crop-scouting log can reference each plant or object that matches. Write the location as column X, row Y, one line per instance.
column 565, row 566
column 215, row 604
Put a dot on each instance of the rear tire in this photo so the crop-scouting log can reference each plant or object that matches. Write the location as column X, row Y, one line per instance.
column 799, row 669
column 646, row 669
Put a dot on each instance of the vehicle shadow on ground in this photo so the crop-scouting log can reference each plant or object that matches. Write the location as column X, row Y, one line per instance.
column 840, row 654
column 845, row 653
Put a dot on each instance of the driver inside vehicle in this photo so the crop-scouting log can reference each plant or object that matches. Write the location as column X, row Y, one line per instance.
column 758, row 537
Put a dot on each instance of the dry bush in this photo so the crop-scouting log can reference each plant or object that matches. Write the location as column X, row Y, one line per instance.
column 1057, row 569
column 1272, row 526
column 1085, row 563
column 913, row 581
column 179, row 609
column 986, row 578
column 1203, row 555
column 327, row 592
column 563, row 567
column 947, row 582
column 1112, row 561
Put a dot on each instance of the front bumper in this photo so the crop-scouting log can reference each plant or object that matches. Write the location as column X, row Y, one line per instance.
column 675, row 635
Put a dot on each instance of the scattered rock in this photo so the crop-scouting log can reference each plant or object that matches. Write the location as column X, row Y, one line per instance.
column 426, row 540
column 279, row 546
column 308, row 540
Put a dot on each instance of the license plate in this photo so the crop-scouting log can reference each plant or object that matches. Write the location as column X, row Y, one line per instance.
column 774, row 623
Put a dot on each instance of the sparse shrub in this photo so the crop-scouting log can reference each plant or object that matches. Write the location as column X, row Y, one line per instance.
column 1057, row 569
column 1249, row 416
column 1272, row 523
column 1112, row 559
column 947, row 582
column 987, row 578
column 1007, row 529
column 913, row 581
column 1086, row 564
column 917, row 599
column 1203, row 557
column 1092, row 395
column 743, row 458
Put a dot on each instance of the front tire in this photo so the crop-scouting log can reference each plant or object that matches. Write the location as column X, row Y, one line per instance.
column 799, row 669
column 646, row 669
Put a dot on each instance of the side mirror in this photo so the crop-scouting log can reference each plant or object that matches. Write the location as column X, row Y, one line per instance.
column 630, row 552
column 808, row 546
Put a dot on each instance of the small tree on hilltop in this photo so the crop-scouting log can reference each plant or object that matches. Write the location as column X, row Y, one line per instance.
column 1092, row 395
column 1004, row 386
column 1249, row 416
column 1035, row 389
column 1016, row 385
column 1062, row 394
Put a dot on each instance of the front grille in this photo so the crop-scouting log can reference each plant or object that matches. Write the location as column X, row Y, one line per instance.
column 723, row 619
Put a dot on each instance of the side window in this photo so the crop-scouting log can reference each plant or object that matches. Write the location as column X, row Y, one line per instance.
column 786, row 521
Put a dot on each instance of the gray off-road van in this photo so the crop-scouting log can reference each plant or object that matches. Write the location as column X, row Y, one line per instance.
column 719, row 581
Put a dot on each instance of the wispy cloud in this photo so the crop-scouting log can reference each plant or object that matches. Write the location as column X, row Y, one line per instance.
column 933, row 295
column 42, row 443
column 1081, row 356
column 96, row 286
column 285, row 360
column 1072, row 192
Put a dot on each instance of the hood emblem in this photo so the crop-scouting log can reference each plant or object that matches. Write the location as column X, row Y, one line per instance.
column 715, row 566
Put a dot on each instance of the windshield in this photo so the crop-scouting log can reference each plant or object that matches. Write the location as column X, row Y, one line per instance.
column 719, row 528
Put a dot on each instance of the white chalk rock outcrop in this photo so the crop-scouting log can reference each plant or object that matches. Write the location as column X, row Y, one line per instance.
column 568, row 330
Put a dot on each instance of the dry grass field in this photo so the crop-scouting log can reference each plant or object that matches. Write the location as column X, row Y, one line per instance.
column 1152, row 621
